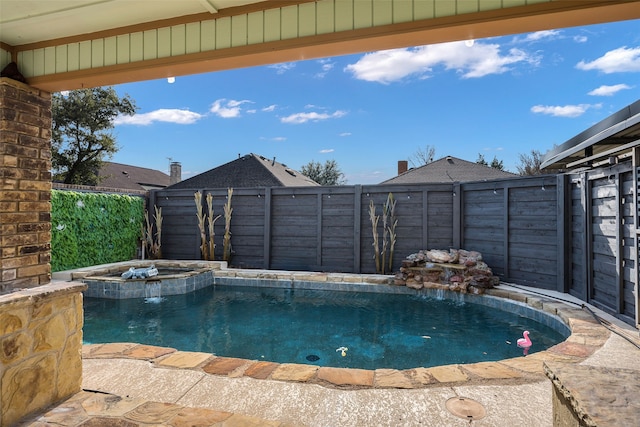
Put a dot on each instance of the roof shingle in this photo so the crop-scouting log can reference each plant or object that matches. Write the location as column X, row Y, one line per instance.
column 448, row 169
column 118, row 175
column 248, row 171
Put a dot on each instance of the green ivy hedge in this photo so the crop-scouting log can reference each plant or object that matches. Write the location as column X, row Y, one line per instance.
column 91, row 229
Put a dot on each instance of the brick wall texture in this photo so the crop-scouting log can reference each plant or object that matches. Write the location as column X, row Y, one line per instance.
column 25, row 186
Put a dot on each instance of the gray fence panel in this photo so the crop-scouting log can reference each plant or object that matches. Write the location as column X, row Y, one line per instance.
column 483, row 224
column 532, row 232
column 603, row 242
column 514, row 224
column 336, row 230
column 294, row 231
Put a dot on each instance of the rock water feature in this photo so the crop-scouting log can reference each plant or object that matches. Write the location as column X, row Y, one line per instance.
column 456, row 270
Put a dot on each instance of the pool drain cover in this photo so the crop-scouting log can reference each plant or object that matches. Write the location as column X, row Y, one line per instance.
column 465, row 408
column 313, row 358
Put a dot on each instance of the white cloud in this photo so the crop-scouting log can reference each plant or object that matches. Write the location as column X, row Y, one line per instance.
column 227, row 109
column 345, row 134
column 327, row 65
column 476, row 61
column 299, row 118
column 283, row 68
column 182, row 117
column 618, row 60
column 542, row 35
column 275, row 138
column 605, row 90
column 563, row 110
column 580, row 39
column 326, row 150
column 270, row 108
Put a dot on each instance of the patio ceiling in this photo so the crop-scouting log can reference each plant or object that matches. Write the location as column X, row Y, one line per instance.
column 67, row 44
column 31, row 21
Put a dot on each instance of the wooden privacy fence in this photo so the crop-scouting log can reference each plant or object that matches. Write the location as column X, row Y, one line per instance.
column 570, row 233
column 514, row 223
column 309, row 228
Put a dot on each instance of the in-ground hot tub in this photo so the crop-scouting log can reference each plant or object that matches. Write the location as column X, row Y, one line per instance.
column 173, row 278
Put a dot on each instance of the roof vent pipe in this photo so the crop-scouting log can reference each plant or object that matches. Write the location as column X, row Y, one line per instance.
column 273, row 162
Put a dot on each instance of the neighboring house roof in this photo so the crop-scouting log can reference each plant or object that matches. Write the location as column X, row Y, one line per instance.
column 251, row 170
column 448, row 169
column 117, row 175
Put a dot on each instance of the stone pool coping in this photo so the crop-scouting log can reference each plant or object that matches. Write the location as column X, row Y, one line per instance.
column 587, row 336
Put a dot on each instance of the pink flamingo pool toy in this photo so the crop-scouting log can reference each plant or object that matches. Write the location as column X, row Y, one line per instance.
column 525, row 342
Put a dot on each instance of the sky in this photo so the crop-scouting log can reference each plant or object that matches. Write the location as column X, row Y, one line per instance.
column 499, row 97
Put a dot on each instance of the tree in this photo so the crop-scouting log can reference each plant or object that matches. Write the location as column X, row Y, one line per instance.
column 327, row 174
column 495, row 163
column 423, row 157
column 530, row 164
column 81, row 139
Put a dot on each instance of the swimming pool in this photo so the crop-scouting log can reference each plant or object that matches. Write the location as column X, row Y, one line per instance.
column 290, row 325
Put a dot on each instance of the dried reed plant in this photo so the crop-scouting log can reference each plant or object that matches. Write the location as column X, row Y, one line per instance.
column 390, row 210
column 389, row 235
column 374, row 226
column 201, row 216
column 152, row 244
column 211, row 221
column 385, row 238
column 157, row 246
column 226, row 246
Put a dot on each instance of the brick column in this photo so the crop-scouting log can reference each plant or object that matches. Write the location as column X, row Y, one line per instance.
column 25, row 186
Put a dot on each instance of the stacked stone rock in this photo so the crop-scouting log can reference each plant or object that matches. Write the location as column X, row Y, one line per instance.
column 455, row 270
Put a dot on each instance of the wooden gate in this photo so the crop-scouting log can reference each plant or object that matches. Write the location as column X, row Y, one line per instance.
column 603, row 239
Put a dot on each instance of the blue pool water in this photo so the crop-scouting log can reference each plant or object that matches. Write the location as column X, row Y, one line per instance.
column 380, row 330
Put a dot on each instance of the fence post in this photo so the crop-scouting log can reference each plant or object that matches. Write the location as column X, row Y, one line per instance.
column 563, row 228
column 585, row 201
column 266, row 262
column 636, row 234
column 505, row 227
column 458, row 238
column 425, row 218
column 357, row 213
column 319, row 229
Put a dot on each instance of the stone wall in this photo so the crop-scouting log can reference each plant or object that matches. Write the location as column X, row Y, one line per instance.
column 40, row 348
column 25, row 186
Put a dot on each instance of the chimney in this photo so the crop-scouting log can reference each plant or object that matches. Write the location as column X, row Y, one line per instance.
column 175, row 174
column 403, row 166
